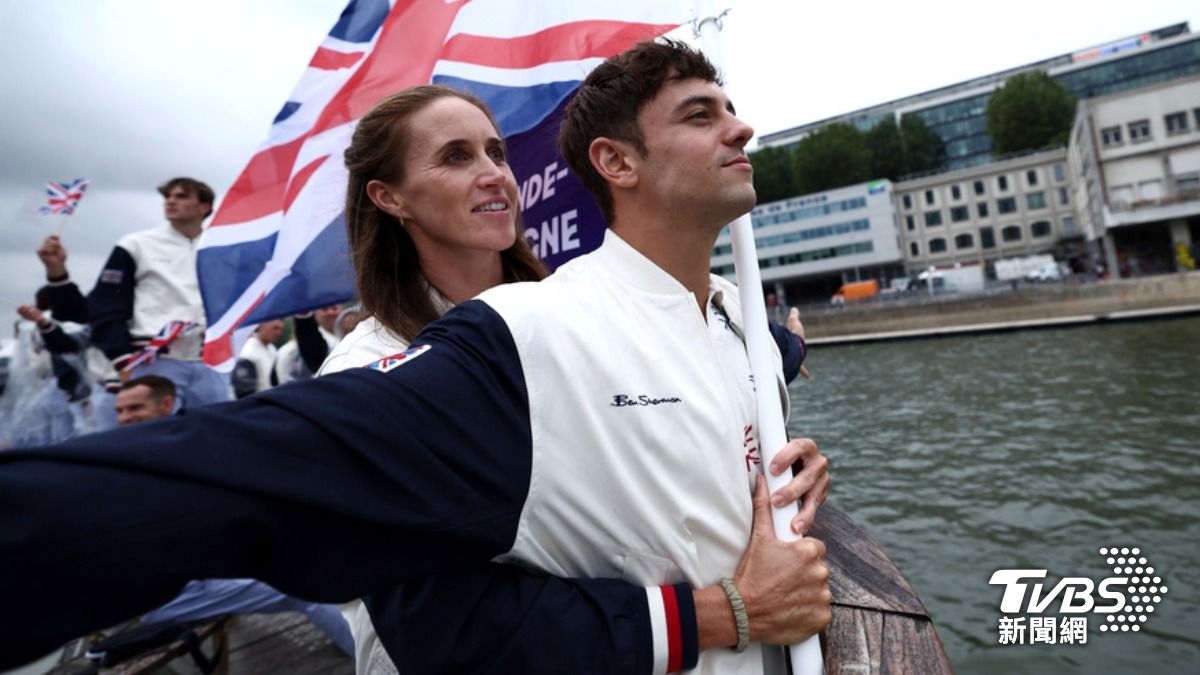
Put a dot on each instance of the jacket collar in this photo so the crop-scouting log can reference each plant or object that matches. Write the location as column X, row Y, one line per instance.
column 618, row 257
column 635, row 269
column 177, row 235
column 441, row 303
column 716, row 298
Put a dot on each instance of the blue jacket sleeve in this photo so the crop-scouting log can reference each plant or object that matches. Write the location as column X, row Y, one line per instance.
column 791, row 347
column 502, row 619
column 67, row 302
column 313, row 348
column 69, row 377
column 327, row 490
column 58, row 342
column 110, row 305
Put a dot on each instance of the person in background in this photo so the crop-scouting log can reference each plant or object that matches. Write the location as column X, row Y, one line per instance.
column 150, row 280
column 347, row 321
column 66, row 350
column 144, row 398
column 252, row 373
column 313, row 335
column 796, row 327
column 67, row 303
column 66, row 300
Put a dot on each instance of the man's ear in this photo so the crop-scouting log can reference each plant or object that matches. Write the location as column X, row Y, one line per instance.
column 386, row 198
column 617, row 162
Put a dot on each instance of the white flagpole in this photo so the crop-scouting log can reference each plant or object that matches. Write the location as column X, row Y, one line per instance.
column 772, row 436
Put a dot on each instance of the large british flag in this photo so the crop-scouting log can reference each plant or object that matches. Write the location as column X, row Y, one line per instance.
column 277, row 245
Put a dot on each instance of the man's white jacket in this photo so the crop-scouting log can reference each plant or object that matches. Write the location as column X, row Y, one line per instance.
column 148, row 280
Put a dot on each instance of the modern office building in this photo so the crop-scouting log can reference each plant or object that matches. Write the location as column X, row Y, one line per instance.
column 1125, row 193
column 809, row 246
column 1016, row 207
column 957, row 113
column 1135, row 162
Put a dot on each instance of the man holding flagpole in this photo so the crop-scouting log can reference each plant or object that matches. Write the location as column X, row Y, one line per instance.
column 661, row 219
column 597, row 424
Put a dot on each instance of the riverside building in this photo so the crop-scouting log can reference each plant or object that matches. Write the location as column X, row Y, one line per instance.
column 1015, row 207
column 1135, row 160
column 809, row 245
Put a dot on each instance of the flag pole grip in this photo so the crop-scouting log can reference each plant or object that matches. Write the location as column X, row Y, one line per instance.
column 806, row 657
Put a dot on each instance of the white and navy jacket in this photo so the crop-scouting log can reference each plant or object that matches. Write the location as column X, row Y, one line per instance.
column 148, row 280
column 481, row 601
column 501, row 434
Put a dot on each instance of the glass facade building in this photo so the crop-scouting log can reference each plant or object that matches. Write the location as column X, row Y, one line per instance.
column 962, row 126
column 958, row 113
column 805, row 256
column 806, row 243
column 834, row 230
column 799, row 209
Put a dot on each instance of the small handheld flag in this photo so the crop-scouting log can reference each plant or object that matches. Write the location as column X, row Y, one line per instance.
column 63, row 197
column 149, row 353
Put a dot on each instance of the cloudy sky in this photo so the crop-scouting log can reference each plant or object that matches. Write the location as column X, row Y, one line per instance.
column 130, row 92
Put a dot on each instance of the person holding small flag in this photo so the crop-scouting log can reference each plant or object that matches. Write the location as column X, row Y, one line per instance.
column 68, row 303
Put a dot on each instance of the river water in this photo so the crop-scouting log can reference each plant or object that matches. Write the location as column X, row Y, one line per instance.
column 1028, row 450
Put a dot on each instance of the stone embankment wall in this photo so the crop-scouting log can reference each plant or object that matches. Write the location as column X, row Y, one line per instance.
column 1029, row 302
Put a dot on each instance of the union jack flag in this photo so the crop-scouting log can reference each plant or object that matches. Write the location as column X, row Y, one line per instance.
column 277, row 246
column 63, row 197
column 165, row 337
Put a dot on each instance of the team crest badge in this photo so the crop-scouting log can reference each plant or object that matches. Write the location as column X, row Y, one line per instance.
column 396, row 360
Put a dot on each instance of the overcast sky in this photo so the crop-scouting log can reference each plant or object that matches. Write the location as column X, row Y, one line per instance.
column 129, row 93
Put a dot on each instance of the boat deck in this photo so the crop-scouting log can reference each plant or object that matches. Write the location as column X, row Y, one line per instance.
column 256, row 643
column 879, row 624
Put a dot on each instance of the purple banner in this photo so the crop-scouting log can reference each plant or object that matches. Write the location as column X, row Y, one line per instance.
column 560, row 218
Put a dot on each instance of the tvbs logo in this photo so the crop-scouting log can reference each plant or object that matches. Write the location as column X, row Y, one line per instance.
column 1125, row 599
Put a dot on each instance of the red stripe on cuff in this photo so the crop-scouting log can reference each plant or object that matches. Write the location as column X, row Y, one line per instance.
column 674, row 639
